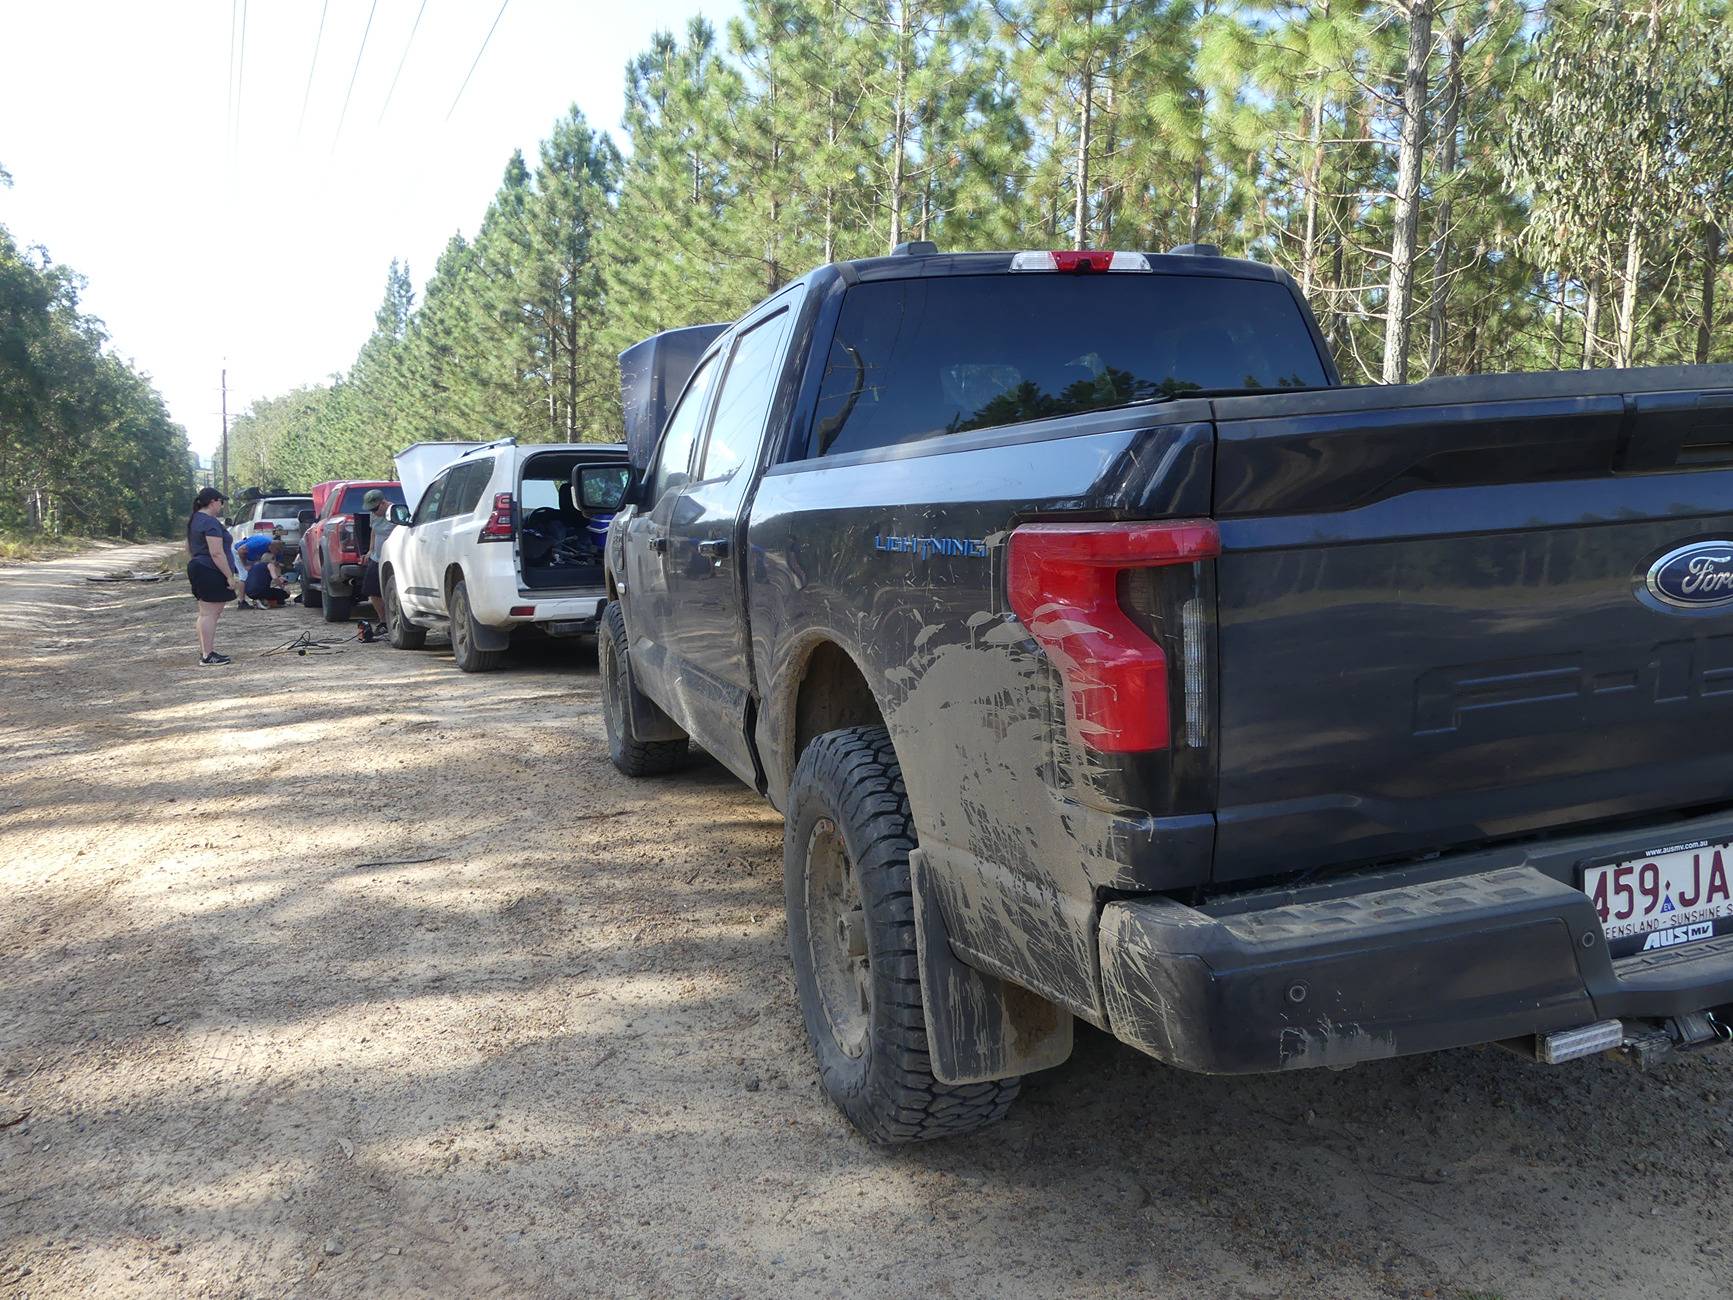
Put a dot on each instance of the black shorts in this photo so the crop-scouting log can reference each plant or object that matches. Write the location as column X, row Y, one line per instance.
column 209, row 585
column 370, row 580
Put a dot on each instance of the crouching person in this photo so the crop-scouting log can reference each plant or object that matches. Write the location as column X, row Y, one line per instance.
column 264, row 585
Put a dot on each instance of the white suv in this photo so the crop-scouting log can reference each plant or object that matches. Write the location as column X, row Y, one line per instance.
column 504, row 537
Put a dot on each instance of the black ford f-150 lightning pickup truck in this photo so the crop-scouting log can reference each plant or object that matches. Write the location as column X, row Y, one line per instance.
column 1110, row 660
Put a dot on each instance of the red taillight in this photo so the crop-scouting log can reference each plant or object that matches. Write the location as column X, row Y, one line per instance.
column 264, row 526
column 1064, row 586
column 498, row 526
column 1079, row 261
column 1082, row 259
column 521, row 611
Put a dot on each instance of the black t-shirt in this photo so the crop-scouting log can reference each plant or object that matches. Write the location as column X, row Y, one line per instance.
column 201, row 527
column 258, row 581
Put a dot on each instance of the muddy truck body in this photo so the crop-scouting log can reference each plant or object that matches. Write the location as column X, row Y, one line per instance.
column 1111, row 661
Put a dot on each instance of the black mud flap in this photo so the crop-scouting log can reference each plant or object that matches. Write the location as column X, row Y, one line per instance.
column 979, row 1027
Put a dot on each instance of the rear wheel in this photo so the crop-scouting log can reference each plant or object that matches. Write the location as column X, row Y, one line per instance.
column 632, row 756
column 334, row 606
column 851, row 936
column 464, row 633
column 404, row 634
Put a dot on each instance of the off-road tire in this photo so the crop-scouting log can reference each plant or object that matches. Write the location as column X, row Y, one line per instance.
column 404, row 635
column 310, row 595
column 630, row 755
column 334, row 608
column 463, row 632
column 850, row 780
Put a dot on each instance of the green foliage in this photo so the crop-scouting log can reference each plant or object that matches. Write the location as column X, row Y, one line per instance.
column 1574, row 167
column 86, row 444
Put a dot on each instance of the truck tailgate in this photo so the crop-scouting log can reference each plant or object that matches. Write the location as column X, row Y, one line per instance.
column 1435, row 622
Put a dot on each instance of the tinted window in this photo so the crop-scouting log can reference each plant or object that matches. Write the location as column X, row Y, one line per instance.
column 468, row 482
column 430, row 499
column 681, row 433
column 354, row 500
column 744, row 402
column 915, row 358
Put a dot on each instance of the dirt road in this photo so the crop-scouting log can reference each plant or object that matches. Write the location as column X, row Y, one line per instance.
column 356, row 975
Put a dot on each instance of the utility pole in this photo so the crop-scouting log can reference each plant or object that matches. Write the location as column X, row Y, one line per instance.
column 225, row 487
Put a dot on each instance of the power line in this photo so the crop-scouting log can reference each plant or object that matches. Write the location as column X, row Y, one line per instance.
column 402, row 61
column 478, row 54
column 229, row 112
column 307, row 94
column 353, row 74
column 240, row 77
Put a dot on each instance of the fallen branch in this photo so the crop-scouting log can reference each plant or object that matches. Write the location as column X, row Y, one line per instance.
column 398, row 862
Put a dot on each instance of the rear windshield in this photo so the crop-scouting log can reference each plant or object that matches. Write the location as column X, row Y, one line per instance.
column 920, row 358
column 354, row 500
column 286, row 507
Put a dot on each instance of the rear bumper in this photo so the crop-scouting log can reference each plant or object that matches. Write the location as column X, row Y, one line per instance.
column 1400, row 965
column 560, row 615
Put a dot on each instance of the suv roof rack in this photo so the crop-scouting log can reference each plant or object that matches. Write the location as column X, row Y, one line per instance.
column 1195, row 250
column 915, row 248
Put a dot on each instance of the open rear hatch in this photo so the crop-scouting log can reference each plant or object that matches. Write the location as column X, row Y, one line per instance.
column 1463, row 610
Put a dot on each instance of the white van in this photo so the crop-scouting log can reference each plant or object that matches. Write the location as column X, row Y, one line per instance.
column 503, row 538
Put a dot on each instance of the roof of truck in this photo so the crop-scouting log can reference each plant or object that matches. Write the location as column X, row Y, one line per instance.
column 903, row 266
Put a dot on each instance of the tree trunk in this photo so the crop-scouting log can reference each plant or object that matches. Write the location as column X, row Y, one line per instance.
column 1558, row 323
column 1399, row 300
column 1333, row 317
column 1627, row 338
column 1711, row 270
column 1085, row 123
column 900, row 124
column 1310, row 180
column 1438, row 322
column 1591, row 320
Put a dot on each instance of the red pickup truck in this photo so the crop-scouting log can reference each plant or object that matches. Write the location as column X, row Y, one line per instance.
column 334, row 544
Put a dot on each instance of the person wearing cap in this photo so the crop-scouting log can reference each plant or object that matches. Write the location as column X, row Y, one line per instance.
column 378, row 506
column 209, row 570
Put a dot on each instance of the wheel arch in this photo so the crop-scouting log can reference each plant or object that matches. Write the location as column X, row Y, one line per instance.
column 826, row 689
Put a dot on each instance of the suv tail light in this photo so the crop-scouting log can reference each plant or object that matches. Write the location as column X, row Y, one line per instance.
column 498, row 527
column 264, row 526
column 1065, row 585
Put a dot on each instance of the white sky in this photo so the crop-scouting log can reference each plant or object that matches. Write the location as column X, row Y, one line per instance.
column 271, row 258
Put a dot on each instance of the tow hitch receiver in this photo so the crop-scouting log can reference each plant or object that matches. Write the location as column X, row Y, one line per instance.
column 1649, row 1043
column 1641, row 1043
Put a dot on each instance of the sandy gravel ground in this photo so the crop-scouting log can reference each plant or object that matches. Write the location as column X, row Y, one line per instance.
column 356, row 975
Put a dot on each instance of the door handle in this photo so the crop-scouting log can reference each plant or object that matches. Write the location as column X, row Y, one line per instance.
column 715, row 547
column 659, row 543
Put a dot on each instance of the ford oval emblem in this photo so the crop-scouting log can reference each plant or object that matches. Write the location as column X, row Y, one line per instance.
column 1694, row 576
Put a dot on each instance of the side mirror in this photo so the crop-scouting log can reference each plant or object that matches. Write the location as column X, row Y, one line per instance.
column 603, row 488
column 399, row 514
column 304, row 518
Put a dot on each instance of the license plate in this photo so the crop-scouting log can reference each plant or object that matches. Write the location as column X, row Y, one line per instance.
column 1671, row 896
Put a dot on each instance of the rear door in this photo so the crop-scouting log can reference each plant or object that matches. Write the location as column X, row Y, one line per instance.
column 1437, row 623
column 707, row 636
column 650, row 616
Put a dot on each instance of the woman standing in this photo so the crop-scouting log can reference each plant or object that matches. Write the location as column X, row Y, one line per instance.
column 208, row 570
